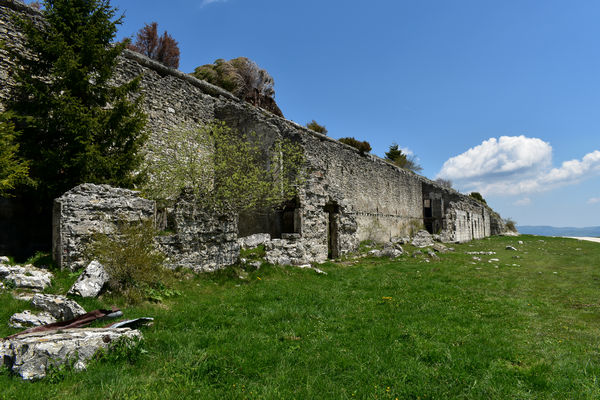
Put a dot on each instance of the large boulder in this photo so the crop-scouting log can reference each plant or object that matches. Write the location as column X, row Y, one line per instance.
column 30, row 355
column 59, row 307
column 91, row 281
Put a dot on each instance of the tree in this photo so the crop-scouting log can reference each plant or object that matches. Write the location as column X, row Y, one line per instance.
column 363, row 147
column 244, row 78
column 13, row 170
column 477, row 196
column 313, row 125
column 402, row 160
column 223, row 169
column 447, row 183
column 163, row 49
column 75, row 126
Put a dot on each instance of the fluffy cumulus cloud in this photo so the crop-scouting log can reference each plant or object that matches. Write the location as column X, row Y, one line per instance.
column 515, row 165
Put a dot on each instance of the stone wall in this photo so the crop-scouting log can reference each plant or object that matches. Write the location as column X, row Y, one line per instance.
column 88, row 209
column 348, row 196
column 199, row 240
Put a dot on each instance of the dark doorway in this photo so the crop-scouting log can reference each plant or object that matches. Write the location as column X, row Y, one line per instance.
column 333, row 215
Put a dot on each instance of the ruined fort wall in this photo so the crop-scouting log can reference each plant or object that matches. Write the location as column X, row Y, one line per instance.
column 359, row 195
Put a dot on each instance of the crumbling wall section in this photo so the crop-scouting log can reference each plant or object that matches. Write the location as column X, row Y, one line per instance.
column 90, row 209
column 459, row 217
column 198, row 240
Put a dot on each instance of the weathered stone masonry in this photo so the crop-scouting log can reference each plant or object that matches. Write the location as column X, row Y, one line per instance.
column 348, row 196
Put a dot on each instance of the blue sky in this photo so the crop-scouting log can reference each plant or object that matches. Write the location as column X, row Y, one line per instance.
column 501, row 97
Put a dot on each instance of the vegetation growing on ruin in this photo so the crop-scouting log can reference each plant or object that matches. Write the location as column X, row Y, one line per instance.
column 477, row 196
column 132, row 260
column 225, row 170
column 525, row 326
column 163, row 49
column 397, row 157
column 315, row 126
column 244, row 78
column 362, row 146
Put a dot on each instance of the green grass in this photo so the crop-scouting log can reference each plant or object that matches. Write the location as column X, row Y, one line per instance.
column 369, row 329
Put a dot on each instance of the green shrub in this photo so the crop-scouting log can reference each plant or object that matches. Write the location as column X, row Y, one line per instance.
column 135, row 265
column 510, row 224
column 315, row 126
column 477, row 196
column 363, row 147
column 401, row 159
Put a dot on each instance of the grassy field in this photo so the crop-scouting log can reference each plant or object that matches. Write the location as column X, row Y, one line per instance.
column 526, row 326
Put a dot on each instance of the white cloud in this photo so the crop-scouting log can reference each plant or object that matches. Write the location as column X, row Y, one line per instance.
column 525, row 201
column 207, row 2
column 514, row 165
column 594, row 200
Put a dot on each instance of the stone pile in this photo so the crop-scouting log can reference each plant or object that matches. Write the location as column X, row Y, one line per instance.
column 26, row 277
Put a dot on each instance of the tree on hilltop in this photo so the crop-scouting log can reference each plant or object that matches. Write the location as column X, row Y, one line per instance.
column 163, row 49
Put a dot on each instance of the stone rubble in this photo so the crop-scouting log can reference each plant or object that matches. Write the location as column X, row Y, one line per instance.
column 30, row 355
column 422, row 239
column 59, row 307
column 91, row 281
column 27, row 276
column 27, row 319
column 249, row 242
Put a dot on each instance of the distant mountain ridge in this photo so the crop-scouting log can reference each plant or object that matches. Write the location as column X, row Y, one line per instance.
column 543, row 230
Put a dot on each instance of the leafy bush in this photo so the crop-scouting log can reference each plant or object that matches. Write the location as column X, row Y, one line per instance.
column 315, row 126
column 363, row 147
column 132, row 260
column 477, row 196
column 224, row 170
column 244, row 78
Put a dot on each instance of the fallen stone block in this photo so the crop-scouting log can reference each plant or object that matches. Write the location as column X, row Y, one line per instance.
column 4, row 260
column 27, row 319
column 30, row 355
column 511, row 248
column 251, row 241
column 91, row 281
column 59, row 307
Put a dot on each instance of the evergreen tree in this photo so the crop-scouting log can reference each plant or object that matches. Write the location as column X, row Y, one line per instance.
column 75, row 126
column 402, row 160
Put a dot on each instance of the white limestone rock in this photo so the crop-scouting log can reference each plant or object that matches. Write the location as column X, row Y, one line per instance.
column 91, row 281
column 255, row 240
column 422, row 239
column 27, row 319
column 31, row 354
column 27, row 276
column 59, row 307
